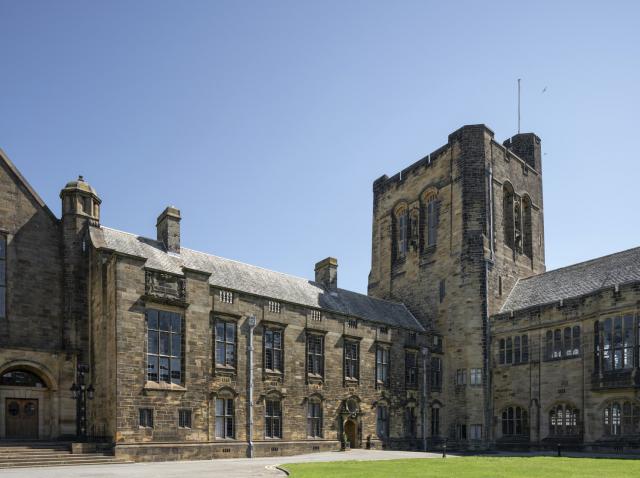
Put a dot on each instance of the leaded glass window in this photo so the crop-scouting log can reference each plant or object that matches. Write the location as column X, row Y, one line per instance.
column 164, row 346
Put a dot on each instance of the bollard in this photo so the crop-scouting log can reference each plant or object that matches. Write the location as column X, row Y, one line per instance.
column 444, row 450
column 559, row 450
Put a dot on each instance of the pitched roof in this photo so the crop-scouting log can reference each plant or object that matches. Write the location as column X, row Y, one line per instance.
column 229, row 274
column 35, row 196
column 575, row 280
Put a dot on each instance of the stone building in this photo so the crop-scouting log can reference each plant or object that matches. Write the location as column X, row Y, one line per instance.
column 462, row 337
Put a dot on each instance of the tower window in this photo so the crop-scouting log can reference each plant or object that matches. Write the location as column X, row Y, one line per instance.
column 507, row 216
column 400, row 232
column 3, row 276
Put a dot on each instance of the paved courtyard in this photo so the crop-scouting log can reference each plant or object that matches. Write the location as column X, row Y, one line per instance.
column 231, row 468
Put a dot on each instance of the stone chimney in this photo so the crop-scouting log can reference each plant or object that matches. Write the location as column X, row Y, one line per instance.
column 327, row 272
column 168, row 229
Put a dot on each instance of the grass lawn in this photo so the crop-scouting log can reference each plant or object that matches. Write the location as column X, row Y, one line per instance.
column 476, row 467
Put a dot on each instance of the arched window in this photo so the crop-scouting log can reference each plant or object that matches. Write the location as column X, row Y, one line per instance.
column 21, row 378
column 527, row 233
column 576, row 340
column 515, row 421
column 516, row 349
column 508, row 224
column 567, row 346
column 502, row 351
column 400, row 232
column 314, row 417
column 429, row 220
column 563, row 420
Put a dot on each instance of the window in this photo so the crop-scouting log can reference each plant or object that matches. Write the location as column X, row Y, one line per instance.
column 412, row 338
column 436, row 373
column 515, row 421
column 315, row 354
column 184, row 418
column 225, row 343
column 314, row 418
column 411, row 422
column 273, row 418
column 146, row 417
column 382, row 365
column 563, row 420
column 461, row 431
column 614, row 345
column 475, row 432
column 274, row 307
column 164, row 346
column 527, row 227
column 621, row 419
column 461, row 376
column 352, row 324
column 273, row 350
column 508, row 216
column 316, row 315
column 562, row 343
column 400, row 233
column 411, row 368
column 437, row 344
column 3, row 276
column 224, row 418
column 443, row 290
column 435, row 421
column 21, row 378
column 226, row 296
column 430, row 212
column 351, row 360
column 514, row 350
column 382, row 421
column 383, row 329
column 475, row 376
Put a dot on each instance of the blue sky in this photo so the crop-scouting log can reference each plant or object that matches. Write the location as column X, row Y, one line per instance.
column 267, row 122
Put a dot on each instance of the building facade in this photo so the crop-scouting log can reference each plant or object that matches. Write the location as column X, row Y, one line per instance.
column 462, row 336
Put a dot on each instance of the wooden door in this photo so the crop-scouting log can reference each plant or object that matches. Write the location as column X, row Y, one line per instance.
column 351, row 430
column 21, row 418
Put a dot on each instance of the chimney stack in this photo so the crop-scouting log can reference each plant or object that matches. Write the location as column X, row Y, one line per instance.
column 168, row 229
column 327, row 272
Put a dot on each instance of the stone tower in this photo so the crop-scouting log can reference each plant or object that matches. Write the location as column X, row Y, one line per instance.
column 80, row 208
column 451, row 235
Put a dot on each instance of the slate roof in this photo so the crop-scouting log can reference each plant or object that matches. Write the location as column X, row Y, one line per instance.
column 575, row 280
column 229, row 274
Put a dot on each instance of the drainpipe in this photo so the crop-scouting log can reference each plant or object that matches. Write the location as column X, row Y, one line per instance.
column 251, row 320
column 425, row 354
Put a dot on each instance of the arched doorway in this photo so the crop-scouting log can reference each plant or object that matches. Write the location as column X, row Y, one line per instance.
column 351, row 430
column 23, row 391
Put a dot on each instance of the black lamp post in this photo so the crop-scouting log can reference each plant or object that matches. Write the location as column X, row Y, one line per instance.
column 80, row 393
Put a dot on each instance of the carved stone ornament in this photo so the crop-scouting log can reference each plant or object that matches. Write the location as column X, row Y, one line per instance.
column 165, row 286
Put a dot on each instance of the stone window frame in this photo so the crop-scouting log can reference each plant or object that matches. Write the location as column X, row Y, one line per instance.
column 514, row 418
column 383, row 419
column 461, row 431
column 311, row 334
column 146, row 418
column 400, row 232
column 273, row 327
column 429, row 219
column 274, row 306
column 436, row 370
column 563, row 342
column 621, row 417
column 383, row 368
column 315, row 422
column 152, row 307
column 273, row 397
column 475, row 432
column 185, row 418
column 226, row 319
column 3, row 275
column 605, row 350
column 435, row 419
column 475, row 376
column 229, row 396
column 513, row 350
column 461, row 377
column 411, row 373
column 351, row 380
column 226, row 296
column 569, row 417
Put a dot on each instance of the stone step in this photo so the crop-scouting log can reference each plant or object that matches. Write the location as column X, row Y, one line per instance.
column 45, row 463
column 60, row 456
